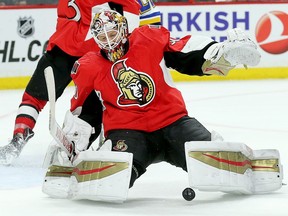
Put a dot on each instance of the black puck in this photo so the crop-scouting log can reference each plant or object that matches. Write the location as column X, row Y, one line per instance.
column 188, row 194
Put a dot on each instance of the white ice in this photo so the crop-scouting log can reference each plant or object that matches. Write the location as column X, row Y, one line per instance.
column 252, row 112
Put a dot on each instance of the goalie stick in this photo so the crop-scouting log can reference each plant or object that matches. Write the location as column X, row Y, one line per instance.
column 55, row 130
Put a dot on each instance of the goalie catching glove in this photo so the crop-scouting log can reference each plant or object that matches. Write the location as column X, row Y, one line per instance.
column 237, row 49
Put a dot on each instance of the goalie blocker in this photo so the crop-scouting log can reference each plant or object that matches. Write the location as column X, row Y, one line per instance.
column 95, row 175
column 232, row 167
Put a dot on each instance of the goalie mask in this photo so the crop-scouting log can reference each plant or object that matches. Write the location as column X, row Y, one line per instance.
column 110, row 31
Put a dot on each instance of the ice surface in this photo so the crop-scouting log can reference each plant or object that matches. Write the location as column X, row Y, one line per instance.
column 252, row 112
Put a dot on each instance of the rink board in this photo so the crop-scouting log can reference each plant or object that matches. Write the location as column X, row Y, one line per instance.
column 235, row 74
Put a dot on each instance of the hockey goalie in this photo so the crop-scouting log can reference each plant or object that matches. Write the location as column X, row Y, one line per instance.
column 145, row 118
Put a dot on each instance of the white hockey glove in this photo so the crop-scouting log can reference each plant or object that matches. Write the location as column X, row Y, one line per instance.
column 77, row 131
column 237, row 49
column 55, row 155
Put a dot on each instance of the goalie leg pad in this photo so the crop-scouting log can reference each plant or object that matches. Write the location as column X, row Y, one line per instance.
column 101, row 175
column 267, row 170
column 219, row 166
column 230, row 167
column 57, row 181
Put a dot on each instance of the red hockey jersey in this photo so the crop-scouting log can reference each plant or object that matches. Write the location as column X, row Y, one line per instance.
column 72, row 33
column 137, row 90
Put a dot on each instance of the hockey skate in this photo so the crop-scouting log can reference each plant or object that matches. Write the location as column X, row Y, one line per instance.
column 12, row 151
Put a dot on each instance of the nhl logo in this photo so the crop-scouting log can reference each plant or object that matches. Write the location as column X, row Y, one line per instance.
column 25, row 27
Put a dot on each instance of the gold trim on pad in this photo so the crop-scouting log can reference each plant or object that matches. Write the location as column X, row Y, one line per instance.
column 268, row 165
column 235, row 161
column 92, row 170
column 229, row 161
column 59, row 171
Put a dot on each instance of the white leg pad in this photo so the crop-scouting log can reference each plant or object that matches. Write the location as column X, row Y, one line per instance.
column 267, row 170
column 230, row 167
column 56, row 156
column 57, row 181
column 101, row 176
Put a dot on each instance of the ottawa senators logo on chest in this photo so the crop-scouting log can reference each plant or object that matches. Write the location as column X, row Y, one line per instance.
column 136, row 88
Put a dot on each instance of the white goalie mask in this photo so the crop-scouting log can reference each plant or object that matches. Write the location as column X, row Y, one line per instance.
column 110, row 31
